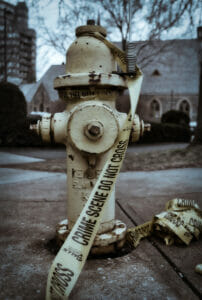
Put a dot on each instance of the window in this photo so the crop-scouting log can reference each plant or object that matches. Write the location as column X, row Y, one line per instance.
column 155, row 109
column 184, row 106
column 41, row 107
column 47, row 109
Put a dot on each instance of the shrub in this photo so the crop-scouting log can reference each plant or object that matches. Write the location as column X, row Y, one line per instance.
column 175, row 117
column 13, row 106
column 14, row 128
column 166, row 133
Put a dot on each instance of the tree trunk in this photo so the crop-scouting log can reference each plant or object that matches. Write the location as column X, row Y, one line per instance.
column 123, row 44
column 198, row 133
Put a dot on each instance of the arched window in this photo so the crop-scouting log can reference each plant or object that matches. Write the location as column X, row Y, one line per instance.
column 41, row 107
column 184, row 106
column 155, row 109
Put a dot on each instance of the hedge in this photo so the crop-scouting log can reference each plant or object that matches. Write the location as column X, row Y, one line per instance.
column 166, row 133
column 14, row 126
column 175, row 117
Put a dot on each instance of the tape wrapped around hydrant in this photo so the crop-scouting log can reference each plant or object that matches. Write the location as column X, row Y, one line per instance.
column 180, row 223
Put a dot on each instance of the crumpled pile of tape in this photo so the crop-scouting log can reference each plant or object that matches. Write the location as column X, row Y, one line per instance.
column 180, row 223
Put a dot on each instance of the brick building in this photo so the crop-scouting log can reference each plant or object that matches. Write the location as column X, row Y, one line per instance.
column 17, row 44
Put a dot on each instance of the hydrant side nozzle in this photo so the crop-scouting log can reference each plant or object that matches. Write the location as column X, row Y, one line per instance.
column 138, row 129
column 42, row 128
column 45, row 128
column 52, row 128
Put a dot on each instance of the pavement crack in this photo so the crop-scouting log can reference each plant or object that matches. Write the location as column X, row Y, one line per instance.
column 176, row 269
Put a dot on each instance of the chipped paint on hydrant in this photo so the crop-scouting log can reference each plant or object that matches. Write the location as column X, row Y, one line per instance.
column 89, row 127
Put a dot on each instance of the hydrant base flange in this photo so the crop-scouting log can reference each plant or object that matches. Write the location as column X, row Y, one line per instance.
column 107, row 241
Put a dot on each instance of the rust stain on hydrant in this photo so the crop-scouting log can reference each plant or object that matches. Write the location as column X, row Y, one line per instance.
column 94, row 78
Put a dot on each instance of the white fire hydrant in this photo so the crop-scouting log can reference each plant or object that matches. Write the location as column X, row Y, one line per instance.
column 89, row 128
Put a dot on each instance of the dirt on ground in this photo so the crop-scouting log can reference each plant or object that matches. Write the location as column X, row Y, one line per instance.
column 167, row 159
column 147, row 161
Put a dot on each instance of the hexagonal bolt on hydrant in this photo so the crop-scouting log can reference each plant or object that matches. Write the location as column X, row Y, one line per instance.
column 89, row 127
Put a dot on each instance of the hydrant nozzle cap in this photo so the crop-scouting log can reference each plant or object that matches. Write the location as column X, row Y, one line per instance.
column 89, row 29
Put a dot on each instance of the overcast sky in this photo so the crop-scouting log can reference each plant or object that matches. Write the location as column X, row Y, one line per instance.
column 47, row 56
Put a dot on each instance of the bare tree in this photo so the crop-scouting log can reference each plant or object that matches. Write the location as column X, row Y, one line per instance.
column 119, row 16
column 163, row 15
column 69, row 16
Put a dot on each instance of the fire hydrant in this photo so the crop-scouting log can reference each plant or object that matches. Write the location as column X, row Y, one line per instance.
column 89, row 128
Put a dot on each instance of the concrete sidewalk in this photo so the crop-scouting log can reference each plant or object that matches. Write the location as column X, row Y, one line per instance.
column 9, row 158
column 30, row 209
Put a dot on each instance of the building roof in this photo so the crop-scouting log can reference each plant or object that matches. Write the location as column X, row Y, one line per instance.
column 48, row 78
column 29, row 90
column 168, row 67
column 175, row 69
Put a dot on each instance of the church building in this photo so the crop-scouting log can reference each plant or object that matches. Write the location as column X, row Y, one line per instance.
column 171, row 80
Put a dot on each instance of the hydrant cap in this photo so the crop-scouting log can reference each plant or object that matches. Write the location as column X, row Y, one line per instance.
column 89, row 29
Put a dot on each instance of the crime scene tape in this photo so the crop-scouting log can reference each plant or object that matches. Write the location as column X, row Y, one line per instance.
column 180, row 223
column 119, row 55
column 67, row 267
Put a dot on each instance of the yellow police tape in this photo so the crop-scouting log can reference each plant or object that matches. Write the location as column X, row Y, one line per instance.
column 119, row 55
column 181, row 222
column 66, row 266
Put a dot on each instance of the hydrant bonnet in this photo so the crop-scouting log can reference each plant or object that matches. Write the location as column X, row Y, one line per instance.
column 87, row 54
